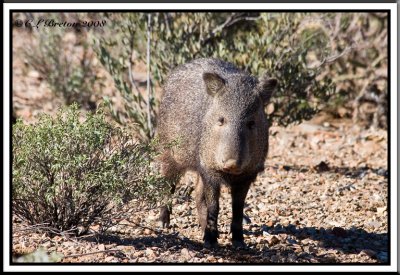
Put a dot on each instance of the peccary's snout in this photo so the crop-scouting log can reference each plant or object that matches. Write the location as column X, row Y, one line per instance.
column 232, row 152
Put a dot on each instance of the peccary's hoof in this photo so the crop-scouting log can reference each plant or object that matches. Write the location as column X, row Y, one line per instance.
column 164, row 217
column 210, row 245
column 239, row 245
column 246, row 219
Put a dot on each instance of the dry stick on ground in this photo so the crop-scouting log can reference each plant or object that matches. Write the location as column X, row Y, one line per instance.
column 91, row 253
column 47, row 228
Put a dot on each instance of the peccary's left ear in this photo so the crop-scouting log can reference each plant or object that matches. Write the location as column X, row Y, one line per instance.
column 266, row 88
column 214, row 83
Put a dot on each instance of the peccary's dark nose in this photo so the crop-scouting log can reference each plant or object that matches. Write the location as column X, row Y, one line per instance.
column 231, row 166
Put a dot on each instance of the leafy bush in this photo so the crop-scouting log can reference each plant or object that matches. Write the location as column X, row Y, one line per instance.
column 257, row 42
column 68, row 72
column 115, row 51
column 39, row 256
column 70, row 173
column 360, row 75
column 316, row 57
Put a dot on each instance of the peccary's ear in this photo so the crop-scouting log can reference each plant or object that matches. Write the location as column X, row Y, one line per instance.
column 214, row 83
column 266, row 88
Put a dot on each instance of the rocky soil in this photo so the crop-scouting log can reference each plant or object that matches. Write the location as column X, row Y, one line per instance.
column 321, row 199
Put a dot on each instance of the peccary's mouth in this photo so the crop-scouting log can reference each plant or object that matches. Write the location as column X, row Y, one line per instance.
column 233, row 171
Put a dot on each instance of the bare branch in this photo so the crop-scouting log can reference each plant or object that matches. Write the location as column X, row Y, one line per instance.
column 150, row 126
column 231, row 20
column 91, row 253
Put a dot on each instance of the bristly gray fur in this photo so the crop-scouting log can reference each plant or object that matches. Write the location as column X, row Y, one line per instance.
column 216, row 111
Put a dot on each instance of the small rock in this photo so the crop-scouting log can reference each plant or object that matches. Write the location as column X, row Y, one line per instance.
column 382, row 172
column 101, row 247
column 285, row 222
column 186, row 254
column 261, row 205
column 211, row 259
column 305, row 241
column 380, row 210
column 322, row 167
column 246, row 220
column 270, row 223
column 260, row 240
column 272, row 240
column 34, row 74
column 373, row 224
column 138, row 253
column 370, row 253
column 111, row 259
column 46, row 244
column 339, row 232
column 150, row 252
column 266, row 234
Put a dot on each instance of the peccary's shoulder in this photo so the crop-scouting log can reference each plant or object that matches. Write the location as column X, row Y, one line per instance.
column 196, row 67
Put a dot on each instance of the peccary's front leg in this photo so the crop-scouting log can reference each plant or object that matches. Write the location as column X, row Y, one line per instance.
column 239, row 193
column 211, row 194
column 201, row 204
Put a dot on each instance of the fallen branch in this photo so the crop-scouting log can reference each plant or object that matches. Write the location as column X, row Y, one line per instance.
column 91, row 253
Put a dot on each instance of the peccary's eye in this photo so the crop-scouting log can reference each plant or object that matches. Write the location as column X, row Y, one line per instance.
column 221, row 121
column 251, row 124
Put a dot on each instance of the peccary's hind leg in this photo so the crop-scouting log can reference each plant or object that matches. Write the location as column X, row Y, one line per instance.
column 166, row 211
column 239, row 193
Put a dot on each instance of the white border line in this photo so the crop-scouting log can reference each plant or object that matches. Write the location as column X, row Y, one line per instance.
column 215, row 6
column 204, row 6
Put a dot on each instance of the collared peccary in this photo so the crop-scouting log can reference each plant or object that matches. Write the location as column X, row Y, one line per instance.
column 216, row 112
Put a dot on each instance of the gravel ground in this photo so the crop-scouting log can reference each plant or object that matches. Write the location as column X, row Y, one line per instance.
column 321, row 199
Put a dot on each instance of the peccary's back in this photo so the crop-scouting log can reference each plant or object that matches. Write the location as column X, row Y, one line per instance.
column 184, row 104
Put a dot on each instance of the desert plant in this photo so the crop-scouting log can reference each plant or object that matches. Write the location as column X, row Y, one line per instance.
column 115, row 52
column 69, row 173
column 68, row 72
column 257, row 42
column 321, row 60
column 39, row 256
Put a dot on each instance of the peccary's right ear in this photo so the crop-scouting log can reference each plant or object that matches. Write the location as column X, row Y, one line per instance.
column 266, row 88
column 214, row 83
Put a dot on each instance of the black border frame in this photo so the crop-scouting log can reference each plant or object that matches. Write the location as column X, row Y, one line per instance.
column 388, row 11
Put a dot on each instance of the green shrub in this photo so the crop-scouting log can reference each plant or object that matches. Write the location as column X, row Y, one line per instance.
column 70, row 172
column 276, row 43
column 322, row 60
column 115, row 50
column 68, row 72
column 39, row 256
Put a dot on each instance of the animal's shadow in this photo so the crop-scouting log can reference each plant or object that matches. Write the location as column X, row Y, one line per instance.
column 348, row 241
column 350, row 172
